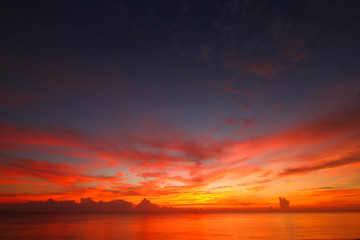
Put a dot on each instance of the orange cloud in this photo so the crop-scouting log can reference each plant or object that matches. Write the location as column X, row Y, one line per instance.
column 176, row 169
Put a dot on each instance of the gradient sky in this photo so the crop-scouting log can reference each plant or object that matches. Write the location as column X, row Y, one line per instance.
column 187, row 103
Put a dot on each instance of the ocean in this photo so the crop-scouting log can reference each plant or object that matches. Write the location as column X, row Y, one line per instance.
column 175, row 226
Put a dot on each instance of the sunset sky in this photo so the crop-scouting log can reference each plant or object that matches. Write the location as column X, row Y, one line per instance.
column 211, row 104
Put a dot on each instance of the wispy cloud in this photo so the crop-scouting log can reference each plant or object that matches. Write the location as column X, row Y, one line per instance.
column 331, row 164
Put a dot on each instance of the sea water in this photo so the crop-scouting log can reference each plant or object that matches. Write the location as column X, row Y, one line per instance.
column 175, row 226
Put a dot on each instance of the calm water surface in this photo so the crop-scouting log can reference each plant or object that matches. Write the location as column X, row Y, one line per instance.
column 181, row 226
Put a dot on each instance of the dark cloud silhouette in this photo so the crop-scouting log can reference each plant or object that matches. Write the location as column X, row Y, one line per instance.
column 330, row 164
column 85, row 205
column 284, row 204
column 146, row 206
column 318, row 189
column 88, row 205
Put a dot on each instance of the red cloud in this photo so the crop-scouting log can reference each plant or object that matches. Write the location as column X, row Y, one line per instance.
column 245, row 106
column 44, row 137
column 248, row 122
column 173, row 164
column 261, row 67
column 59, row 173
column 294, row 55
column 228, row 87
column 175, row 151
column 15, row 99
column 233, row 120
column 153, row 174
column 293, row 49
column 264, row 68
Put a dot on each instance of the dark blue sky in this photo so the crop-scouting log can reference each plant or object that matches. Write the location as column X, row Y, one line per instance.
column 170, row 59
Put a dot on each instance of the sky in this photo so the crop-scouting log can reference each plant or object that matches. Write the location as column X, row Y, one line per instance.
column 211, row 104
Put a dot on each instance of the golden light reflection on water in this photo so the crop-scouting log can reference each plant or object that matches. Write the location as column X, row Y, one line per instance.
column 181, row 226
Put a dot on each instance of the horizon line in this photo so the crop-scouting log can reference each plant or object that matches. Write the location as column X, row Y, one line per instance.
column 121, row 205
